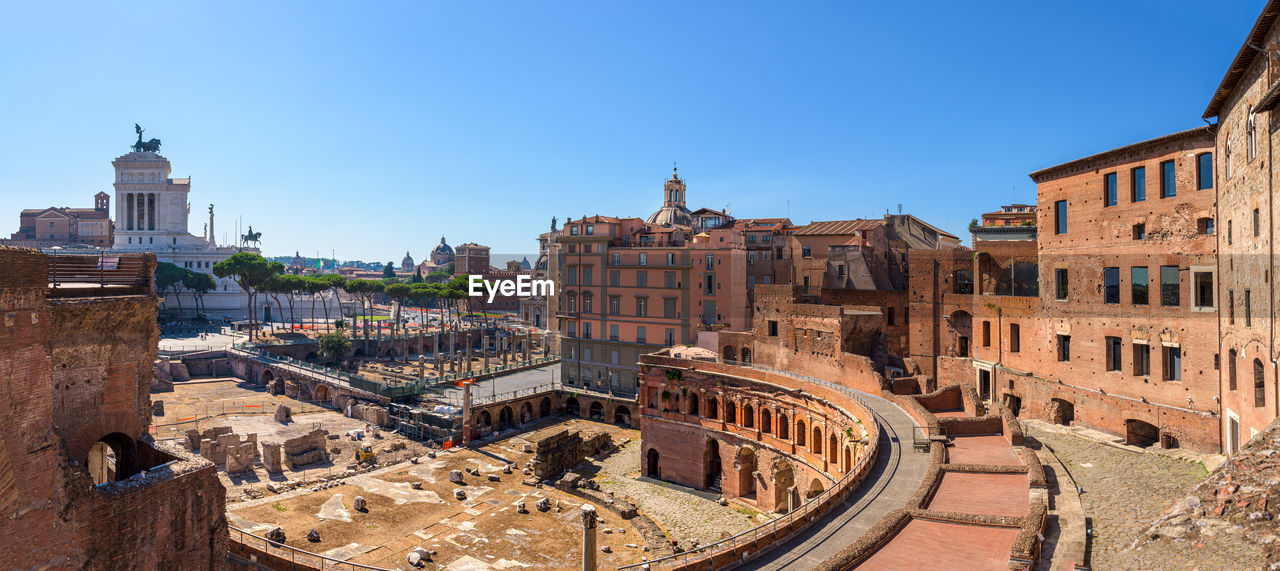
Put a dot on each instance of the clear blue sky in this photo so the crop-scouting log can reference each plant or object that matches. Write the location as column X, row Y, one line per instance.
column 373, row 128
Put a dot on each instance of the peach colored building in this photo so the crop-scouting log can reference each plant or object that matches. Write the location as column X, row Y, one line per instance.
column 626, row 287
column 48, row 227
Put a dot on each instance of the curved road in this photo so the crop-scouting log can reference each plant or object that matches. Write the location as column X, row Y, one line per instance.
column 895, row 476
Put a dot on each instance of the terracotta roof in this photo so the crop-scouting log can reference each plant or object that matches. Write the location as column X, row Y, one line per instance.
column 836, row 227
column 1244, row 58
column 709, row 211
column 1053, row 172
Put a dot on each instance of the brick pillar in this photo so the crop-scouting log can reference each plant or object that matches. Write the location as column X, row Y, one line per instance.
column 588, row 537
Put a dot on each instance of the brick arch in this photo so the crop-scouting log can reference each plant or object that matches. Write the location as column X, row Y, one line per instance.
column 100, row 425
column 321, row 392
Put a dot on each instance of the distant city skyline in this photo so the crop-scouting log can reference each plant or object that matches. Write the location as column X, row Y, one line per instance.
column 365, row 134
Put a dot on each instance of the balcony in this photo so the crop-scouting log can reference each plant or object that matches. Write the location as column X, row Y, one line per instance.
column 100, row 275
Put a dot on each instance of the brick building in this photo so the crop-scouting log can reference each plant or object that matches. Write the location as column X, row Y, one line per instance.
column 61, row 226
column 1011, row 215
column 1106, row 317
column 82, row 485
column 1245, row 147
column 471, row 258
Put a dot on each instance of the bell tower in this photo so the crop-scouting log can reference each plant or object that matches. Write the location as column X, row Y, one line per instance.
column 673, row 190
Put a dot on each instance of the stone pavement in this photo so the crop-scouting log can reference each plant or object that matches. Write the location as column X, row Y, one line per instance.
column 1123, row 490
column 890, row 483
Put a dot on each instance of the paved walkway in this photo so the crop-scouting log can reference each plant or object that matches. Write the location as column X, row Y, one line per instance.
column 892, row 480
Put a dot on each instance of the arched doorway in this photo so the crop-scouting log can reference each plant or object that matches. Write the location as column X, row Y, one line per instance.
column 783, row 480
column 526, row 412
column 784, row 428
column 1140, row 433
column 766, row 421
column 311, row 356
column 321, row 393
column 112, row 458
column 597, row 411
column 848, row 458
column 815, row 488
column 748, row 416
column 730, row 412
column 486, row 421
column 1061, row 411
column 544, row 408
column 652, row 469
column 622, row 415
column 693, row 404
column 746, row 472
column 506, row 418
column 833, row 448
column 746, row 355
column 711, row 465
column 800, row 434
column 266, row 377
column 728, row 353
column 713, row 408
column 571, row 407
column 817, row 441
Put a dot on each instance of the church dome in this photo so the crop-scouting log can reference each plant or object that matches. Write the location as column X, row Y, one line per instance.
column 407, row 263
column 673, row 211
column 442, row 248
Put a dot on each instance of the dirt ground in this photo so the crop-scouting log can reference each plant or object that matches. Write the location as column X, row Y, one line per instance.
column 251, row 410
column 482, row 531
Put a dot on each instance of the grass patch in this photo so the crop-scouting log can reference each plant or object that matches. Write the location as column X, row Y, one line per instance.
column 372, row 526
column 279, row 507
column 608, row 483
column 745, row 511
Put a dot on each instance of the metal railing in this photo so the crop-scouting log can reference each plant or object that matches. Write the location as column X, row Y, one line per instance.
column 799, row 517
column 98, row 270
column 292, row 554
column 509, row 395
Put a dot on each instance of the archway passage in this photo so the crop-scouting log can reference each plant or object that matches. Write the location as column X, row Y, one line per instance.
column 711, row 464
column 746, row 355
column 571, row 407
column 506, row 419
column 113, row 458
column 783, row 480
column 652, row 468
column 622, row 415
column 321, row 393
column 815, row 488
column 597, row 411
column 526, row 412
column 746, row 472
column 486, row 421
column 728, row 353
column 544, row 408
column 266, row 377
column 1140, row 433
column 1061, row 411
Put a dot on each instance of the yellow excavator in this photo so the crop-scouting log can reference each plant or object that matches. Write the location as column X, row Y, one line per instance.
column 365, row 455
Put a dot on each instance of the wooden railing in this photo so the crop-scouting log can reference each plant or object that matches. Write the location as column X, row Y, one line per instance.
column 75, row 275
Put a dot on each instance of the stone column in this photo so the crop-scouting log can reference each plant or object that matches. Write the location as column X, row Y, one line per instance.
column 469, row 341
column 466, row 414
column 528, row 340
column 484, row 349
column 588, row 537
column 506, row 349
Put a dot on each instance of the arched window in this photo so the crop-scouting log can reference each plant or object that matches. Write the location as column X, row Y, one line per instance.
column 748, row 416
column 799, row 433
column 784, row 428
column 817, row 441
column 1231, row 369
column 1259, row 385
column 693, row 404
column 730, row 412
column 766, row 423
column 713, row 408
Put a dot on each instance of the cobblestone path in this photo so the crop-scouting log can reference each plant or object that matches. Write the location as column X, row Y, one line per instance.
column 1123, row 491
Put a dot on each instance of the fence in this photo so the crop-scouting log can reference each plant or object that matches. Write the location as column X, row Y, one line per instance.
column 83, row 270
column 725, row 551
column 237, row 407
column 282, row 552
